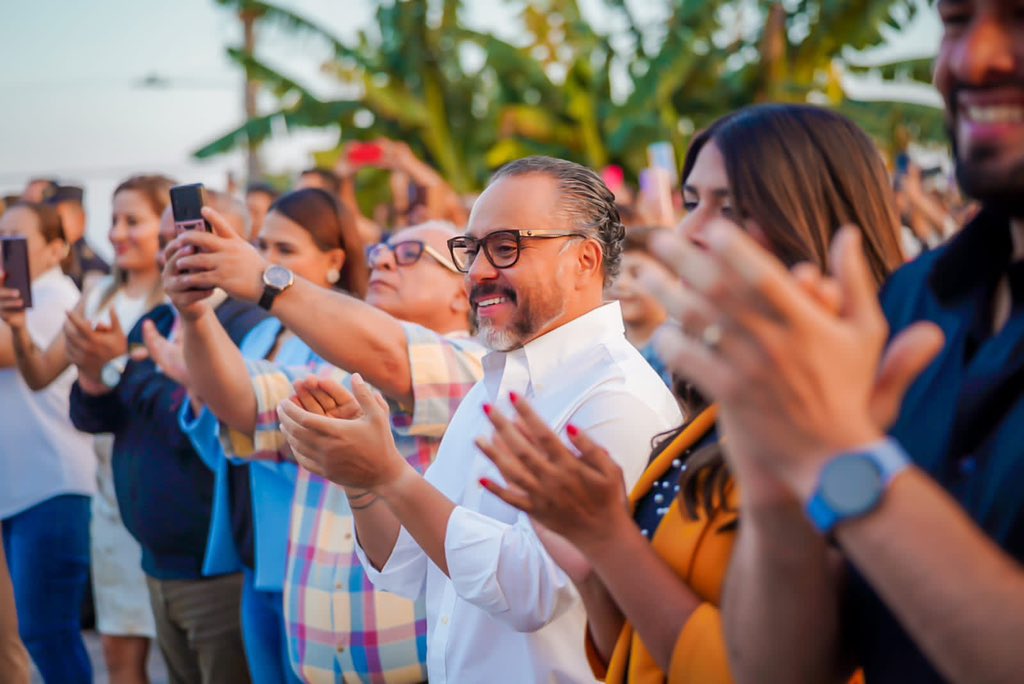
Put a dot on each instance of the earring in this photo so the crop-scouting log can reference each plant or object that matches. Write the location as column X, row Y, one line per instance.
column 333, row 275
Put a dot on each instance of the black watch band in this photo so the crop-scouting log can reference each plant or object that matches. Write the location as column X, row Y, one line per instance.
column 267, row 299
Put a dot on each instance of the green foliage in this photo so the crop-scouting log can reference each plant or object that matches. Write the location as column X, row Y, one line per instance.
column 554, row 91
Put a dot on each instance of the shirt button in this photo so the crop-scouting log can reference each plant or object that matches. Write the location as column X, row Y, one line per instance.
column 341, row 648
column 444, row 620
column 348, row 535
column 338, row 585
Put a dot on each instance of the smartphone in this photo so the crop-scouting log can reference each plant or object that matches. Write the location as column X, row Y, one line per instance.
column 187, row 202
column 365, row 153
column 661, row 155
column 14, row 256
column 417, row 197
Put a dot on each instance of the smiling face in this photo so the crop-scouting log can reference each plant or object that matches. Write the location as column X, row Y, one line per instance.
column 980, row 72
column 134, row 232
column 539, row 293
column 283, row 241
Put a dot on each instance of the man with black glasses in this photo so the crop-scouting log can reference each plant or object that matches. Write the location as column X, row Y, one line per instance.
column 543, row 241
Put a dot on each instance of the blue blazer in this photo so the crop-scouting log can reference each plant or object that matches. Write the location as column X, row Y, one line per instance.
column 272, row 484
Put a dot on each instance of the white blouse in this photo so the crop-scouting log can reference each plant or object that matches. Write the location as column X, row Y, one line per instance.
column 41, row 454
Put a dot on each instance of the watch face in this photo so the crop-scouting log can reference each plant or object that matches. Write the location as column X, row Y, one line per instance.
column 851, row 485
column 278, row 277
column 110, row 375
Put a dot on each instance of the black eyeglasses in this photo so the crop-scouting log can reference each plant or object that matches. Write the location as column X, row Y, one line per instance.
column 502, row 247
column 407, row 253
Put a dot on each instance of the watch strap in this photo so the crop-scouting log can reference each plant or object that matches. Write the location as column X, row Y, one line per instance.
column 267, row 298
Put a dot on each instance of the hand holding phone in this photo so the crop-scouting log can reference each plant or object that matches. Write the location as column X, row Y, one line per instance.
column 187, row 202
column 365, row 154
column 16, row 275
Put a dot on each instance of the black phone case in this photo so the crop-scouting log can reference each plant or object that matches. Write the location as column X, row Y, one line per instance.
column 16, row 271
column 187, row 203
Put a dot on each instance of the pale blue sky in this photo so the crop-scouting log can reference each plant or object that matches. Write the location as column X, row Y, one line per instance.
column 72, row 107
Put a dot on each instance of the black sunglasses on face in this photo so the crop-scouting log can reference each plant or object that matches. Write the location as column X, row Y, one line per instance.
column 502, row 247
column 406, row 253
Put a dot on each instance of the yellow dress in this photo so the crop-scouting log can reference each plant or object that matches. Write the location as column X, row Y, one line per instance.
column 698, row 551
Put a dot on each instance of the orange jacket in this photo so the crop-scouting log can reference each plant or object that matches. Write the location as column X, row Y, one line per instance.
column 698, row 551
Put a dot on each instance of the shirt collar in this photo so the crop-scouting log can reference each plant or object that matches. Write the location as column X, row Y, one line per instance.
column 549, row 356
column 974, row 259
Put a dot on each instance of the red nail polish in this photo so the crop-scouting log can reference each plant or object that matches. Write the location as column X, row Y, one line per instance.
column 485, row 483
column 513, row 397
column 487, row 409
column 572, row 430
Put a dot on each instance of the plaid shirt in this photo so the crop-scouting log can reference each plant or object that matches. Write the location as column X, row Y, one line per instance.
column 339, row 627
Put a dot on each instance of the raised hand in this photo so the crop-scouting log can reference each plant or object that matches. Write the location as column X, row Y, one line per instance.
column 12, row 308
column 167, row 355
column 90, row 347
column 577, row 497
column 797, row 380
column 201, row 261
column 358, row 451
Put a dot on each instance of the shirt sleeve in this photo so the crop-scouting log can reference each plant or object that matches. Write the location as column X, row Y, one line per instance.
column 443, row 369
column 203, row 431
column 271, row 385
column 405, row 572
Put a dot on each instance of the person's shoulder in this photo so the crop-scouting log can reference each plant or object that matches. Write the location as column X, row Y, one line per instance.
column 907, row 293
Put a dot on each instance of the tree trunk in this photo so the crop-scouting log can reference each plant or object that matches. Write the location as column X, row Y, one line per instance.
column 254, row 167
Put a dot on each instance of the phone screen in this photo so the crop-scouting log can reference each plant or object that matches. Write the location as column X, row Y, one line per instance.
column 365, row 153
column 187, row 203
column 14, row 253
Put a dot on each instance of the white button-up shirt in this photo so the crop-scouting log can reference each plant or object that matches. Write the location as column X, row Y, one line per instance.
column 508, row 613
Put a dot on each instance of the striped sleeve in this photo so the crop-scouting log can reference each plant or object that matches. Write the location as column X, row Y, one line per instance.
column 443, row 369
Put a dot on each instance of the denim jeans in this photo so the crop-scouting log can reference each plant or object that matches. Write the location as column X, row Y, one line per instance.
column 47, row 549
column 264, row 634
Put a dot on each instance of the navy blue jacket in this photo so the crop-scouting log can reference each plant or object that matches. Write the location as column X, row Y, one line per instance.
column 164, row 490
column 962, row 421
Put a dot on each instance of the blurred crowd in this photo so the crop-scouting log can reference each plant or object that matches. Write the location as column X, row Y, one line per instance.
column 756, row 418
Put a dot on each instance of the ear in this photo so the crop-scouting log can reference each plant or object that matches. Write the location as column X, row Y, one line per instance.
column 589, row 263
column 336, row 259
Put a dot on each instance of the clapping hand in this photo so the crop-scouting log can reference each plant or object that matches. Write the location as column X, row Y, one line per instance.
column 342, row 436
column 798, row 362
column 90, row 347
column 575, row 496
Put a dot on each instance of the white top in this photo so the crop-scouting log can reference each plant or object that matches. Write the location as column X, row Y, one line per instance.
column 129, row 309
column 41, row 454
column 508, row 613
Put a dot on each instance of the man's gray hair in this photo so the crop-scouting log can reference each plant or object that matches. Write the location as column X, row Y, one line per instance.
column 589, row 204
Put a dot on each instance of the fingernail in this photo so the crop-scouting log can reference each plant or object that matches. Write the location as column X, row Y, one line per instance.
column 485, row 483
column 487, row 409
column 513, row 397
column 572, row 430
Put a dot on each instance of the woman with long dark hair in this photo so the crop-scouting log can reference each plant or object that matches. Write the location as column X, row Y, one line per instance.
column 651, row 566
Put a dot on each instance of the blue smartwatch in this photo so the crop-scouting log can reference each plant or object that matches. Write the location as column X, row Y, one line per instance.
column 852, row 484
